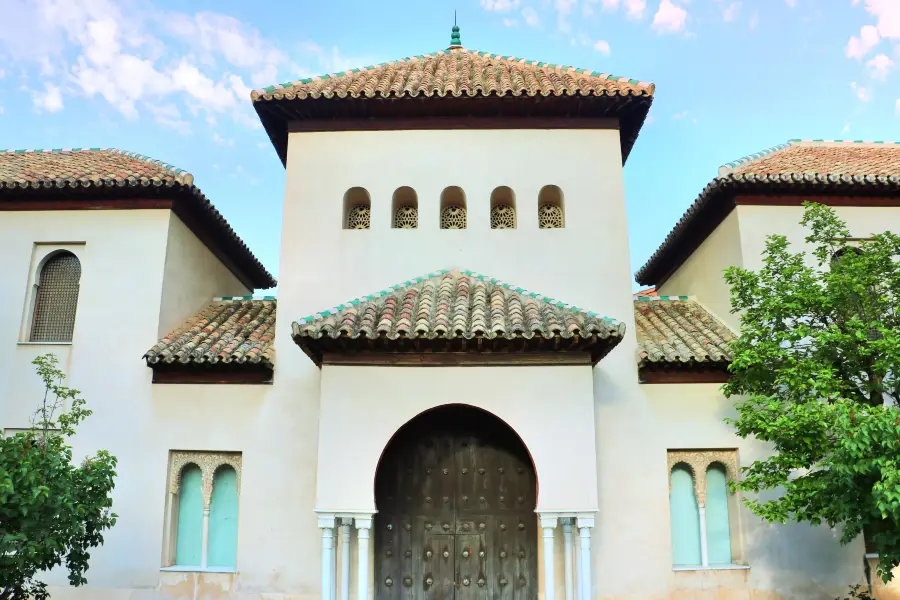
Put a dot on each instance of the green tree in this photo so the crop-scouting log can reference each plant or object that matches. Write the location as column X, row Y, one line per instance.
column 816, row 374
column 51, row 511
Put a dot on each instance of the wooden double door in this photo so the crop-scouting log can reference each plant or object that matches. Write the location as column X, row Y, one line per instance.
column 456, row 494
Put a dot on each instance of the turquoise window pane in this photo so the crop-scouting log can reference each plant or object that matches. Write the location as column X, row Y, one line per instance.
column 223, row 515
column 718, row 532
column 189, row 536
column 685, row 518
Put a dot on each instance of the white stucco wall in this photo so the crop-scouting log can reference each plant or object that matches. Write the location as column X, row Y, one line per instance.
column 550, row 408
column 702, row 274
column 192, row 276
column 757, row 222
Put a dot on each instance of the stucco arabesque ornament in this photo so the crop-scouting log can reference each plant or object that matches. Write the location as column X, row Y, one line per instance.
column 698, row 461
column 208, row 462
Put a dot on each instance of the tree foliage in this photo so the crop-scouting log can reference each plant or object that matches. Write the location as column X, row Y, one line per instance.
column 816, row 373
column 51, row 511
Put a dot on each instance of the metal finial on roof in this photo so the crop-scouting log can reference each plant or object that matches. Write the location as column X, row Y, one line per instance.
column 454, row 35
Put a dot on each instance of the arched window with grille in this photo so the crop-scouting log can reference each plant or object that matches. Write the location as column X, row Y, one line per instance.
column 551, row 209
column 503, row 208
column 56, row 299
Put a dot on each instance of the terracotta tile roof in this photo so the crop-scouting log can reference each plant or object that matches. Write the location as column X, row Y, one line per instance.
column 816, row 167
column 435, row 79
column 678, row 331
column 457, row 72
column 456, row 311
column 227, row 333
column 651, row 291
column 85, row 167
column 83, row 174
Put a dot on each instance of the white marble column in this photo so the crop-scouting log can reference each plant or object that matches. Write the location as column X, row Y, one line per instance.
column 326, row 524
column 204, row 549
column 345, row 558
column 569, row 550
column 548, row 526
column 362, row 551
column 704, row 548
column 585, row 524
column 334, row 559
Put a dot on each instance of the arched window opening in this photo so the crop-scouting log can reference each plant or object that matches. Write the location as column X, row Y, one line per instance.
column 56, row 299
column 718, row 530
column 551, row 211
column 405, row 208
column 357, row 209
column 503, row 208
column 189, row 536
column 685, row 517
column 453, row 208
column 223, row 515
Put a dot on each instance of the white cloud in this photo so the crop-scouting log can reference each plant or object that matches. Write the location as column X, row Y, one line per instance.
column 240, row 45
column 602, row 46
column 2, row 73
column 169, row 116
column 49, row 100
column 845, row 128
column 680, row 115
column 199, row 63
column 731, row 11
column 887, row 13
column 897, row 106
column 218, row 139
column 634, row 9
column 609, row 4
column 754, row 21
column 563, row 9
column 510, row 22
column 880, row 66
column 862, row 94
column 530, row 16
column 500, row 6
column 669, row 18
column 858, row 47
column 791, row 3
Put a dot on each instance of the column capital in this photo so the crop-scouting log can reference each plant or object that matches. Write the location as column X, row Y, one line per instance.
column 363, row 522
column 585, row 522
column 548, row 520
column 326, row 521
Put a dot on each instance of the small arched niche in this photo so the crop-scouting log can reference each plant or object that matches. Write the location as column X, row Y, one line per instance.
column 405, row 208
column 503, row 208
column 453, row 208
column 551, row 209
column 357, row 208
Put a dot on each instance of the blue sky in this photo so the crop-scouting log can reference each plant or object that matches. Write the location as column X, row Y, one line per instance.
column 171, row 80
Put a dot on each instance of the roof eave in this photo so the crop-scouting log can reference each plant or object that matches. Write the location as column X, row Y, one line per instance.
column 379, row 112
column 595, row 347
column 187, row 201
column 717, row 200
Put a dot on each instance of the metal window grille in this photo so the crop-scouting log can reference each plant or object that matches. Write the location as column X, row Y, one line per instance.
column 503, row 216
column 56, row 299
column 550, row 216
column 358, row 217
column 453, row 217
column 406, row 217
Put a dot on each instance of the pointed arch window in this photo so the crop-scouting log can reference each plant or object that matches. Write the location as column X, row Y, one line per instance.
column 56, row 298
column 202, row 512
column 703, row 513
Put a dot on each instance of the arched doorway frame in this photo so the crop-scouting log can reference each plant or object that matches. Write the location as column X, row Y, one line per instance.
column 537, row 491
column 456, row 493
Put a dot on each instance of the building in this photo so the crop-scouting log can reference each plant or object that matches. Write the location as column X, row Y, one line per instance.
column 436, row 423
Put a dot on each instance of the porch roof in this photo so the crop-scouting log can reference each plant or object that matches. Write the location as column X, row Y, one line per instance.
column 227, row 334
column 459, row 312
